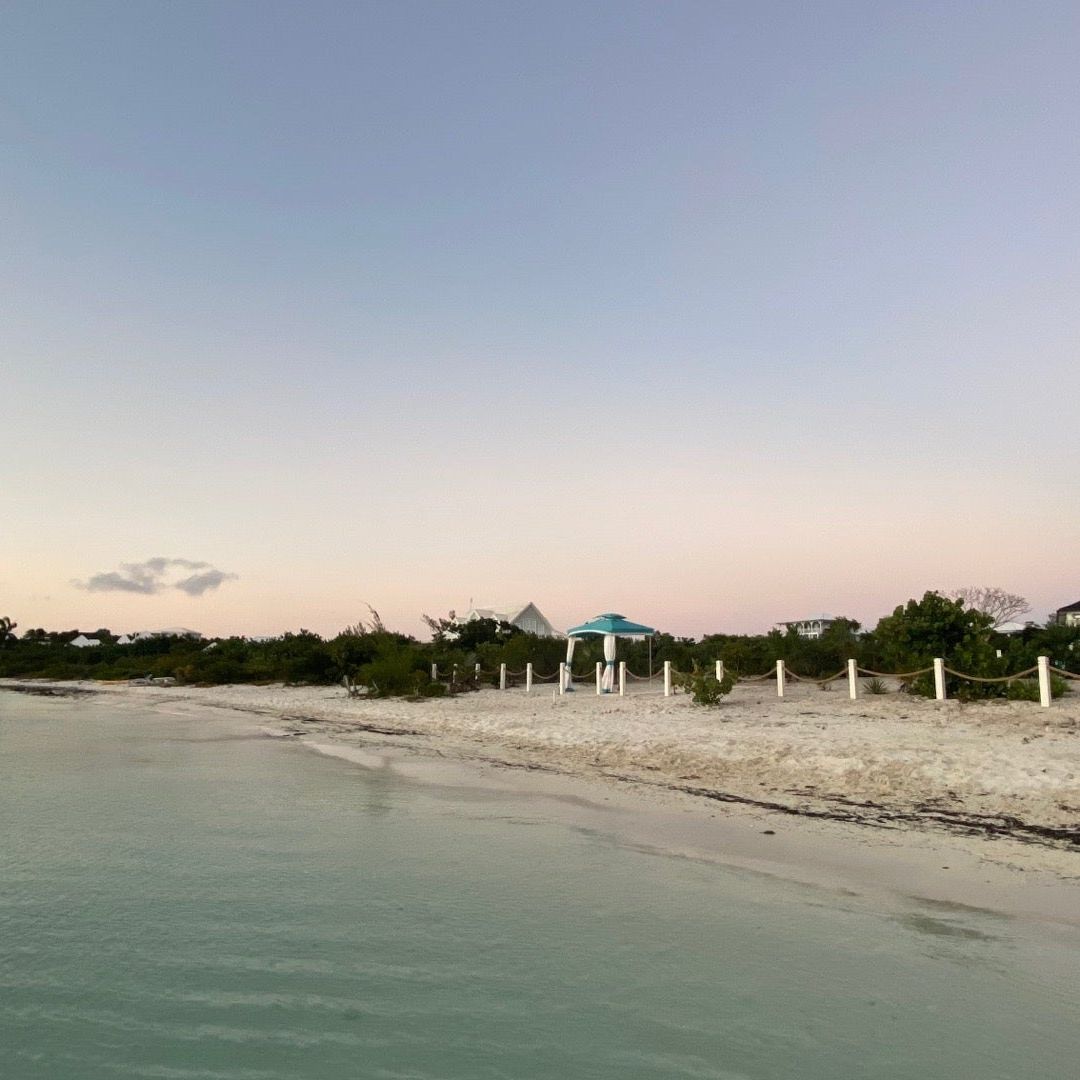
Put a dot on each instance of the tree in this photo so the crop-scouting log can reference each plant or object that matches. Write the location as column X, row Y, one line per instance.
column 999, row 605
column 478, row 632
column 7, row 630
column 937, row 626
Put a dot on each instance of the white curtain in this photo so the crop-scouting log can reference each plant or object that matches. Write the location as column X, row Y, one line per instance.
column 608, row 681
column 570, row 642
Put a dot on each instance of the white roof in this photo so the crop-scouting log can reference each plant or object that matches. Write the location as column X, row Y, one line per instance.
column 169, row 631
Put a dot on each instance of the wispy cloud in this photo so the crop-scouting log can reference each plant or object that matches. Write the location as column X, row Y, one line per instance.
column 156, row 575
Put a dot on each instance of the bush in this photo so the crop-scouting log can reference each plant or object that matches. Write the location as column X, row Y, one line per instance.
column 704, row 687
column 395, row 673
column 1028, row 689
column 875, row 686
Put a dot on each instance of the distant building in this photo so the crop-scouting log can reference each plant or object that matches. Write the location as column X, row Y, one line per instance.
column 169, row 631
column 1011, row 628
column 812, row 627
column 123, row 639
column 526, row 617
column 84, row 642
column 1069, row 615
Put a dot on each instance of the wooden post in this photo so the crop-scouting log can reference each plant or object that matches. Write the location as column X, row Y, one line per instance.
column 622, row 678
column 502, row 676
column 528, row 678
column 667, row 678
column 599, row 677
column 434, row 672
column 780, row 678
column 562, row 677
column 1044, row 682
column 453, row 675
column 476, row 670
column 719, row 670
column 939, row 678
column 852, row 680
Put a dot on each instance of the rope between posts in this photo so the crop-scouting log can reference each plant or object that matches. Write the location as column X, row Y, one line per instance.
column 894, row 674
column 1003, row 678
column 1063, row 673
column 757, row 678
column 806, row 678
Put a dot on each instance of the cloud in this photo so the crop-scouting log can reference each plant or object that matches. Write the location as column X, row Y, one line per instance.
column 197, row 584
column 156, row 575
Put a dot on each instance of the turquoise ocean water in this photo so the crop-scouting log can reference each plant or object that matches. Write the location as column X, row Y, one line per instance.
column 177, row 901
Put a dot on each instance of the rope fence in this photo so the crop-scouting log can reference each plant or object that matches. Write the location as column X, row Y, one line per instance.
column 894, row 674
column 565, row 676
column 1001, row 679
column 821, row 682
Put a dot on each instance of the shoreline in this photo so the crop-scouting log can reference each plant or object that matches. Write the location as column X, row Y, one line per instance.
column 862, row 846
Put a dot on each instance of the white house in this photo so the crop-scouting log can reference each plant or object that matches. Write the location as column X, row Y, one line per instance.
column 84, row 642
column 1069, row 615
column 526, row 617
column 123, row 639
column 812, row 627
column 169, row 631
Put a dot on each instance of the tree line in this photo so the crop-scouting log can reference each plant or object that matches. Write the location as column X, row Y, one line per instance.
column 386, row 662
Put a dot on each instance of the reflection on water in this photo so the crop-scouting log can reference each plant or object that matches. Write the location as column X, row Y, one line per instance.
column 178, row 900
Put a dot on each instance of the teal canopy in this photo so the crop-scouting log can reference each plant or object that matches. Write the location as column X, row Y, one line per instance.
column 611, row 623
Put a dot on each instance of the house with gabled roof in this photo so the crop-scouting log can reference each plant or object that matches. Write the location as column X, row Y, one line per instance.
column 526, row 617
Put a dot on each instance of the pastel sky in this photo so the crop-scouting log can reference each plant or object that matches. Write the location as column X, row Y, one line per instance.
column 714, row 314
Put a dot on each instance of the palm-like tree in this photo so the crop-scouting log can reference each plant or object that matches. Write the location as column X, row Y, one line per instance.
column 7, row 630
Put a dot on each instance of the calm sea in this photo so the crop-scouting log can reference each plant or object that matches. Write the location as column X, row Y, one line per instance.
column 181, row 901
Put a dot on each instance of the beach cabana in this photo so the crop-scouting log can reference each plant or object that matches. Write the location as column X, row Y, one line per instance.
column 609, row 626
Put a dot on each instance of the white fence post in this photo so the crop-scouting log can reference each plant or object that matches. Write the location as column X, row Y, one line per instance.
column 476, row 669
column 1044, row 681
column 453, row 674
column 719, row 670
column 502, row 676
column 667, row 678
column 622, row 678
column 852, row 680
column 562, row 677
column 434, row 672
column 939, row 678
column 599, row 676
column 780, row 672
column 528, row 678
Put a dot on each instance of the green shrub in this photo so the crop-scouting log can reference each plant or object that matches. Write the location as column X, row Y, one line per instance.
column 704, row 687
column 1028, row 689
column 1023, row 690
column 875, row 686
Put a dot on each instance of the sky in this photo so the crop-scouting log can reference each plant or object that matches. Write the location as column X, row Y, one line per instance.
column 714, row 314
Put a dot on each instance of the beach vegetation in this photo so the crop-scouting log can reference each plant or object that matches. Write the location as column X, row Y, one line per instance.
column 704, row 687
column 387, row 662
column 1028, row 689
column 875, row 686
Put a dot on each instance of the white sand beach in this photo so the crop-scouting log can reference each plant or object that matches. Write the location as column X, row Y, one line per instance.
column 1004, row 774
